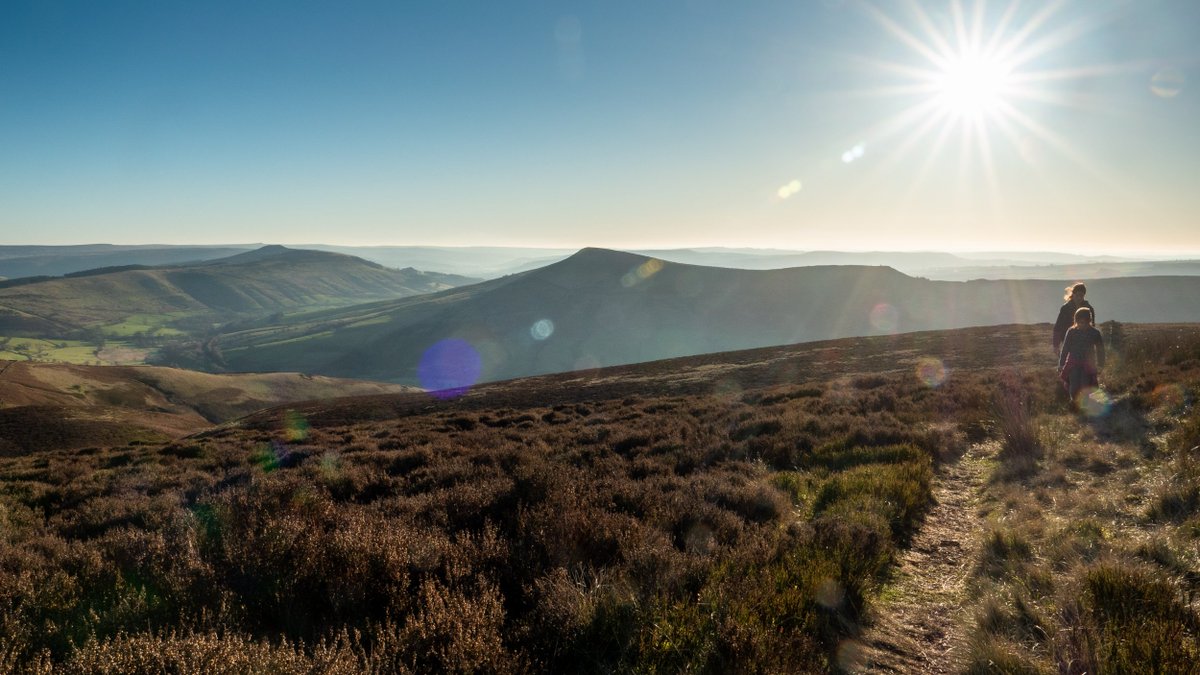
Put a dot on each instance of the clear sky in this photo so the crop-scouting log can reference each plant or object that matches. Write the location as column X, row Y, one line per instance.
column 807, row 124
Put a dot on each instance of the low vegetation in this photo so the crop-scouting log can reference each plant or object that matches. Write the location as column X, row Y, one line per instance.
column 1090, row 563
column 736, row 513
column 49, row 406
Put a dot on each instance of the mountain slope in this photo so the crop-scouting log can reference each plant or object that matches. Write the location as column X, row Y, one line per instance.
column 51, row 406
column 256, row 283
column 603, row 307
column 27, row 261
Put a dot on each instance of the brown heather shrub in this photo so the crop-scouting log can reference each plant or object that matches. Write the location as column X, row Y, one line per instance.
column 618, row 533
column 458, row 631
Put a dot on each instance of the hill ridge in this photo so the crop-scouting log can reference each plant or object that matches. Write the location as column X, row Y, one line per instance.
column 252, row 284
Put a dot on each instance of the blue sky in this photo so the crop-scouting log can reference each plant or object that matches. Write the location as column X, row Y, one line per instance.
column 625, row 124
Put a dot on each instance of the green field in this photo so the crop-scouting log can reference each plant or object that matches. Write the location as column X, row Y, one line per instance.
column 71, row 351
column 150, row 324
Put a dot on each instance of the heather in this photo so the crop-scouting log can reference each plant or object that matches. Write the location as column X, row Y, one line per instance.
column 742, row 520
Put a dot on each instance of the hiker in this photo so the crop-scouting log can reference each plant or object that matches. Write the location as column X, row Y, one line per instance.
column 1082, row 355
column 1066, row 314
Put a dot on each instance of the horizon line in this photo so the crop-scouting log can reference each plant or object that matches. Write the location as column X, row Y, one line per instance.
column 1159, row 254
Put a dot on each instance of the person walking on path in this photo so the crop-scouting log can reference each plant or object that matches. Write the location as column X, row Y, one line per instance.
column 1082, row 356
column 1066, row 314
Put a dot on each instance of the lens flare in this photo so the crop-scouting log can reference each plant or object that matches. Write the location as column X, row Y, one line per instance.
column 542, row 329
column 789, row 189
column 295, row 426
column 1094, row 402
column 885, row 318
column 931, row 371
column 642, row 272
column 1167, row 83
column 449, row 368
column 854, row 154
column 267, row 455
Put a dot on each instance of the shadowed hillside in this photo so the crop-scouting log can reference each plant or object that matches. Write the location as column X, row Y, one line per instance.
column 251, row 284
column 603, row 307
column 50, row 406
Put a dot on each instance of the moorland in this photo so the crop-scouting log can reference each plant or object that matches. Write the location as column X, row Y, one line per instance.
column 752, row 511
column 47, row 406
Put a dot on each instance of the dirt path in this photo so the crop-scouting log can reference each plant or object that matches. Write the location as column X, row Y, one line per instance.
column 920, row 625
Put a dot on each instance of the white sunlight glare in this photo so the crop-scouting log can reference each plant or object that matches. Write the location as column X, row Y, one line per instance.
column 972, row 75
column 972, row 85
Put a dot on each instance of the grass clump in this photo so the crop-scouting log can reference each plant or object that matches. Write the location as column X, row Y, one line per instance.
column 1020, row 447
column 1132, row 621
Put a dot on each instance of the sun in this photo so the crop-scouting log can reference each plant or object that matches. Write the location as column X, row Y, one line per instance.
column 973, row 86
column 976, row 75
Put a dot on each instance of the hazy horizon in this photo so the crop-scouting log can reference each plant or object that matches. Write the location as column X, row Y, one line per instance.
column 968, row 253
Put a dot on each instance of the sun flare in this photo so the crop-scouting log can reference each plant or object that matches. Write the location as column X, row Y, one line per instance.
column 977, row 75
column 972, row 86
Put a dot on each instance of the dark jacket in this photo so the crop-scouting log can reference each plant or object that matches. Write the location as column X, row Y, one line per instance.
column 1083, row 346
column 1066, row 319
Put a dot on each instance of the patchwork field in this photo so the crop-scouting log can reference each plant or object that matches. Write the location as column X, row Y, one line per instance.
column 753, row 511
column 62, row 351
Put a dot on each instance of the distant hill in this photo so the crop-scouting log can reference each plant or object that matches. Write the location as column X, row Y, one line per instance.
column 475, row 261
column 601, row 307
column 491, row 262
column 54, row 406
column 941, row 266
column 768, row 259
column 254, row 283
column 28, row 261
column 1064, row 272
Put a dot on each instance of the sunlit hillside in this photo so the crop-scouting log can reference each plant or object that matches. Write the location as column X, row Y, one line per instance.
column 189, row 299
